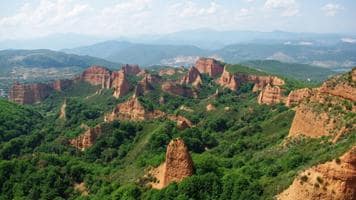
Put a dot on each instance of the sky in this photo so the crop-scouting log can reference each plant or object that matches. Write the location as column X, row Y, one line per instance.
column 22, row 19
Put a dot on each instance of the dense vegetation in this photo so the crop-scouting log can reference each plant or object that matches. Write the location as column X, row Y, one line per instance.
column 239, row 150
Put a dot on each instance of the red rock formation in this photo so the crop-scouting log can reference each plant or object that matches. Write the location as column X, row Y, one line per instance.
column 86, row 139
column 310, row 123
column 193, row 77
column 96, row 75
column 176, row 89
column 353, row 74
column 332, row 180
column 129, row 110
column 262, row 81
column 29, row 93
column 178, row 165
column 228, row 80
column 60, row 85
column 132, row 109
column 131, row 69
column 296, row 96
column 342, row 90
column 270, row 95
column 120, row 84
column 209, row 66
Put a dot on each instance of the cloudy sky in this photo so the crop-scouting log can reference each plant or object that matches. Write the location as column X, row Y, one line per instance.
column 113, row 18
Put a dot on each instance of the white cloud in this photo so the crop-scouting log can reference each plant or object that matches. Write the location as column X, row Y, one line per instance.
column 332, row 9
column 349, row 40
column 47, row 17
column 287, row 7
column 192, row 9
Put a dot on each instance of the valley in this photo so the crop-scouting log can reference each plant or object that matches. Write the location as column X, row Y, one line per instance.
column 243, row 133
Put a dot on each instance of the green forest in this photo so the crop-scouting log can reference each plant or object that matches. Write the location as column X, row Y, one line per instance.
column 239, row 153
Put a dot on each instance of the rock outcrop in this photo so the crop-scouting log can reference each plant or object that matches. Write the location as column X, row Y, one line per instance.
column 262, row 81
column 120, row 84
column 176, row 89
column 342, row 90
column 309, row 123
column 334, row 180
column 86, row 139
column 353, row 74
column 97, row 75
column 177, row 166
column 228, row 80
column 131, row 69
column 29, row 93
column 270, row 95
column 209, row 66
column 297, row 96
column 193, row 77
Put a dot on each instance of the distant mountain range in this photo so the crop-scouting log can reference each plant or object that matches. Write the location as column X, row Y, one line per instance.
column 204, row 38
column 336, row 56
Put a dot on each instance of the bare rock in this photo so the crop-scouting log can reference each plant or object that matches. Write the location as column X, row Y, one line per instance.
column 29, row 93
column 120, row 84
column 297, row 96
column 96, row 75
column 87, row 139
column 210, row 107
column 334, row 180
column 209, row 66
column 270, row 95
column 193, row 77
column 177, row 166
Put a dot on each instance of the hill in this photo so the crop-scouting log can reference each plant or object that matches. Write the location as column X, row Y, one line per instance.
column 292, row 70
column 104, row 135
column 142, row 54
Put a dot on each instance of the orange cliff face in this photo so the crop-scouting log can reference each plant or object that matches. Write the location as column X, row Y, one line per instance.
column 270, row 95
column 96, row 75
column 262, row 81
column 297, row 96
column 29, row 93
column 310, row 123
column 120, row 84
column 228, row 80
column 193, row 77
column 129, row 110
column 333, row 180
column 87, row 139
column 177, row 166
column 209, row 66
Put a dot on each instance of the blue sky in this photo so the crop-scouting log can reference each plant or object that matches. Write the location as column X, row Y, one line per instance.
column 35, row 18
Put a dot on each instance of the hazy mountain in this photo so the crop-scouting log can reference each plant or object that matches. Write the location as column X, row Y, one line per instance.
column 43, row 58
column 205, row 38
column 339, row 55
column 142, row 54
